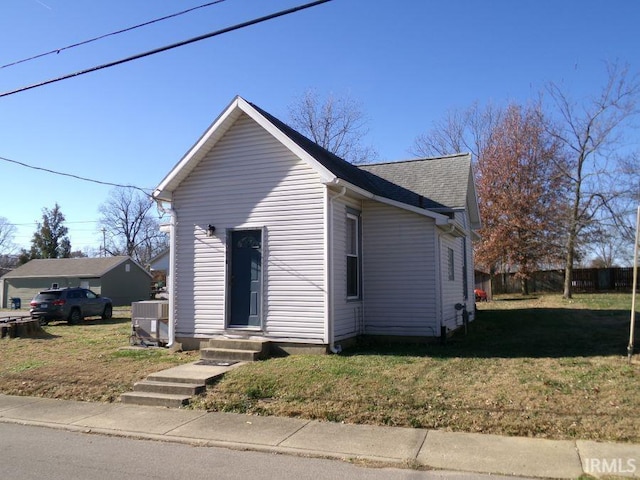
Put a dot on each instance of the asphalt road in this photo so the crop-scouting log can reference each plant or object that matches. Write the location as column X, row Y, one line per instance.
column 28, row 452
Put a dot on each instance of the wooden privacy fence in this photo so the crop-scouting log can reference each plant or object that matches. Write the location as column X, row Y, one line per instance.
column 586, row 280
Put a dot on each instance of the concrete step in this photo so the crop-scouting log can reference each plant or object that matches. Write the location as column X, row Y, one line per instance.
column 229, row 354
column 173, row 388
column 155, row 399
column 261, row 346
column 189, row 374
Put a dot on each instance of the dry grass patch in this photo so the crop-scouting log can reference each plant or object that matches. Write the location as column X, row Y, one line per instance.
column 80, row 362
column 538, row 367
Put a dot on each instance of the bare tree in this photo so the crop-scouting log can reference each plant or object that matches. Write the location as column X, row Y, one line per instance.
column 609, row 249
column 460, row 131
column 590, row 132
column 628, row 203
column 337, row 124
column 7, row 233
column 7, row 247
column 129, row 226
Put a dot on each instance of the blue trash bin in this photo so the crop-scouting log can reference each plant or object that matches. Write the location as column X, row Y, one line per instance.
column 15, row 303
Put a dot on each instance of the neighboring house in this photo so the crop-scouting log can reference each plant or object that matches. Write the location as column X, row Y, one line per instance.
column 274, row 237
column 119, row 278
column 160, row 263
column 159, row 267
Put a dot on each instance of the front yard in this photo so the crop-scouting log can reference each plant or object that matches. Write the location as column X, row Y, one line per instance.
column 539, row 367
column 80, row 362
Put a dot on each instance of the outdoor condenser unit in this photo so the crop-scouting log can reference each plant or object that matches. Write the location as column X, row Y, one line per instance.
column 150, row 321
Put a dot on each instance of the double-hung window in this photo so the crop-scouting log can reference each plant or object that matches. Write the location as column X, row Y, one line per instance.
column 353, row 256
column 451, row 264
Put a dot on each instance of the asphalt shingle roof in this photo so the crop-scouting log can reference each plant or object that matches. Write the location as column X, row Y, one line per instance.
column 363, row 178
column 438, row 185
column 67, row 267
column 444, row 179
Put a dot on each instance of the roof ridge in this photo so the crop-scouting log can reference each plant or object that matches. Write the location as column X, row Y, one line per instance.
column 411, row 160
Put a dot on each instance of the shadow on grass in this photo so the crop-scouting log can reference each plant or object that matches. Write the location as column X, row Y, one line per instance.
column 519, row 299
column 89, row 322
column 99, row 321
column 534, row 333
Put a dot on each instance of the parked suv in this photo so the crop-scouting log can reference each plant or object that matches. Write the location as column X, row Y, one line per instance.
column 70, row 304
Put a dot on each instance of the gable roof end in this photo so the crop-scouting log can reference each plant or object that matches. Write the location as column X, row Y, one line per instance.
column 333, row 170
column 215, row 132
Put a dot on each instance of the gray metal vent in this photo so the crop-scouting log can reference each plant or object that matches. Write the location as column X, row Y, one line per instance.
column 150, row 322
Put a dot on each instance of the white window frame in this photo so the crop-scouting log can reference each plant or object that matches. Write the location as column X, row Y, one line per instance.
column 451, row 262
column 356, row 219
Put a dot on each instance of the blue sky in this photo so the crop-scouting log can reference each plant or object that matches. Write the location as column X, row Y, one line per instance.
column 406, row 61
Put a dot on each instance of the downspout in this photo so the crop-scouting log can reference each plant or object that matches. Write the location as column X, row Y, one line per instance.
column 172, row 269
column 330, row 284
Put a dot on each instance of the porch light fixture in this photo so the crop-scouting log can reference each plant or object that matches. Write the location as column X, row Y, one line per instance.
column 210, row 230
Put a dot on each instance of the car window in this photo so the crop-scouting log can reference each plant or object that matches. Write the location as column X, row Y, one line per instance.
column 47, row 296
column 90, row 294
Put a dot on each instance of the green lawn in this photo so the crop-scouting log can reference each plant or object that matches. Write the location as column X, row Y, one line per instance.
column 80, row 362
column 539, row 367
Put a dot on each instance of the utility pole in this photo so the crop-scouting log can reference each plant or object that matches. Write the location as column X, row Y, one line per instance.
column 104, row 242
column 635, row 286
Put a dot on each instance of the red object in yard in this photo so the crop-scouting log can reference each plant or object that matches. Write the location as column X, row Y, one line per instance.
column 481, row 295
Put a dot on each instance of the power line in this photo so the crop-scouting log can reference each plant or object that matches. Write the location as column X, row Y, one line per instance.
column 77, row 177
column 169, row 47
column 128, row 29
column 34, row 222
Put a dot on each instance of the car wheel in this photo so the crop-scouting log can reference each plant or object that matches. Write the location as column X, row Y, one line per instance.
column 108, row 312
column 43, row 321
column 75, row 316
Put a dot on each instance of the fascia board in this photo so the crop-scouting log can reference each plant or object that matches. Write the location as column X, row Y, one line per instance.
column 440, row 219
column 472, row 200
column 196, row 152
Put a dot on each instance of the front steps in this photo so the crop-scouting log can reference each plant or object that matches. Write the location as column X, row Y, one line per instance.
column 173, row 388
column 234, row 350
column 155, row 399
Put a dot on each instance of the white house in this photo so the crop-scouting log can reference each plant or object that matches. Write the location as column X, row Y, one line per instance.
column 274, row 237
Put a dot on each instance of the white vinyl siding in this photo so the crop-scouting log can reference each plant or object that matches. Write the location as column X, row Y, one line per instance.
column 470, row 300
column 399, row 272
column 249, row 180
column 347, row 313
column 452, row 290
column 462, row 218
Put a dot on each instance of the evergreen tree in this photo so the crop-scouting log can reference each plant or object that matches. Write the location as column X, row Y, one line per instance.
column 50, row 239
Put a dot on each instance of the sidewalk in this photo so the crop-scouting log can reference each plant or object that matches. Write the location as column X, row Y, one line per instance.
column 467, row 452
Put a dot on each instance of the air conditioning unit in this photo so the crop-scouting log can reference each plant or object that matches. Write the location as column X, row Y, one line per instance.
column 150, row 322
